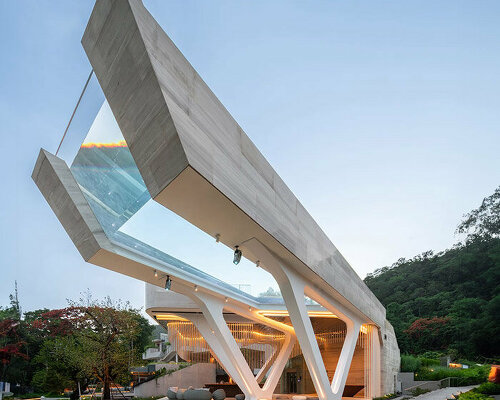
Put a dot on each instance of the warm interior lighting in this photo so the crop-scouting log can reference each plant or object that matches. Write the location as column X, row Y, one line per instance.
column 284, row 313
column 170, row 317
column 455, row 365
column 90, row 145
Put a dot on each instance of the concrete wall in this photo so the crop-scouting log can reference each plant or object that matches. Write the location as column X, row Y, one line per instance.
column 408, row 383
column 390, row 359
column 196, row 375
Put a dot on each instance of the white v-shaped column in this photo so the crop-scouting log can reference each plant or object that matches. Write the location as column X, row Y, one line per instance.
column 293, row 289
column 214, row 329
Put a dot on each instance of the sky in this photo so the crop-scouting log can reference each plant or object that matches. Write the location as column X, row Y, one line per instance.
column 382, row 117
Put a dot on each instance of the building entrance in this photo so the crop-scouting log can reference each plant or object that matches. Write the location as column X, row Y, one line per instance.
column 291, row 382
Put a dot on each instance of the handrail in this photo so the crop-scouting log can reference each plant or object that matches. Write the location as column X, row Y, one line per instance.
column 439, row 382
column 74, row 111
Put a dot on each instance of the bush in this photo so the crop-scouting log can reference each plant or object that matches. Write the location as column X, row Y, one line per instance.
column 410, row 363
column 472, row 395
column 464, row 377
column 386, row 397
column 429, row 362
column 418, row 391
column 488, row 388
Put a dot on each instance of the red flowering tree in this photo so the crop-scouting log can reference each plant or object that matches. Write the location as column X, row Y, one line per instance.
column 11, row 345
column 86, row 342
column 429, row 334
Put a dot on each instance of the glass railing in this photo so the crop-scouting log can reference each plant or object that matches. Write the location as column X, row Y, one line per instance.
column 86, row 108
column 103, row 166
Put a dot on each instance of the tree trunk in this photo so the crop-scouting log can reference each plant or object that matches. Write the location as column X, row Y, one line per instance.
column 106, row 390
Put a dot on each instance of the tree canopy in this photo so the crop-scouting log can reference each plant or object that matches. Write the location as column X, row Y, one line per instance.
column 449, row 301
column 87, row 342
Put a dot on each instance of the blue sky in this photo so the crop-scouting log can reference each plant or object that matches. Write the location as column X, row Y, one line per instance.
column 382, row 117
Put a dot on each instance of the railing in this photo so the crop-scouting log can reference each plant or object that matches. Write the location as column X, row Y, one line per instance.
column 432, row 385
column 150, row 353
column 155, row 352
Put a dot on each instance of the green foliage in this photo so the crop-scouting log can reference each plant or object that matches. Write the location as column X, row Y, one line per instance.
column 448, row 302
column 386, row 397
column 180, row 366
column 50, row 350
column 489, row 388
column 418, row 391
column 429, row 362
column 410, row 363
column 483, row 222
column 464, row 377
column 473, row 395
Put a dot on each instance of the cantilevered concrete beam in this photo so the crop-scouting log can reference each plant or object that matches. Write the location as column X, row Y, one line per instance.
column 197, row 161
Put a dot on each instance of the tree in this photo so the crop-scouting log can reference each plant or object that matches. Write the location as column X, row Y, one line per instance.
column 90, row 339
column 429, row 334
column 11, row 345
column 270, row 292
column 484, row 221
column 460, row 285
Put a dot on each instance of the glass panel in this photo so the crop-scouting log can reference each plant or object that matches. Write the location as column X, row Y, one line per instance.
column 90, row 104
column 113, row 186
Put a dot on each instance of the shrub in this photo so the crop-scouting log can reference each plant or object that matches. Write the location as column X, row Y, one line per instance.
column 488, row 388
column 418, row 391
column 410, row 363
column 470, row 376
column 429, row 362
column 472, row 395
column 386, row 397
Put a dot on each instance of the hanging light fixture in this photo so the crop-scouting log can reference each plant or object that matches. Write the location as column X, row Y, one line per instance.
column 168, row 283
column 156, row 273
column 237, row 255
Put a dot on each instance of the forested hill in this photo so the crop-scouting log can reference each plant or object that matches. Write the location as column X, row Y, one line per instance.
column 449, row 302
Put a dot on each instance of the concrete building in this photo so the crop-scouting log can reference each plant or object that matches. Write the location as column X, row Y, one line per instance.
column 175, row 144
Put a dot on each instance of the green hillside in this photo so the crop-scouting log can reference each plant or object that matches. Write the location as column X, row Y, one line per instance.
column 449, row 302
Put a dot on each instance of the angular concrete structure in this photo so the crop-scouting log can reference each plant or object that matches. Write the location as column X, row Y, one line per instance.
column 183, row 149
column 196, row 160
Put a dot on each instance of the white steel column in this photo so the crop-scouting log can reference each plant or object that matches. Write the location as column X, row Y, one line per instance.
column 293, row 289
column 214, row 329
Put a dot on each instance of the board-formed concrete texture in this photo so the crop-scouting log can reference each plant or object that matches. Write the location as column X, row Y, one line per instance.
column 196, row 160
column 184, row 150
